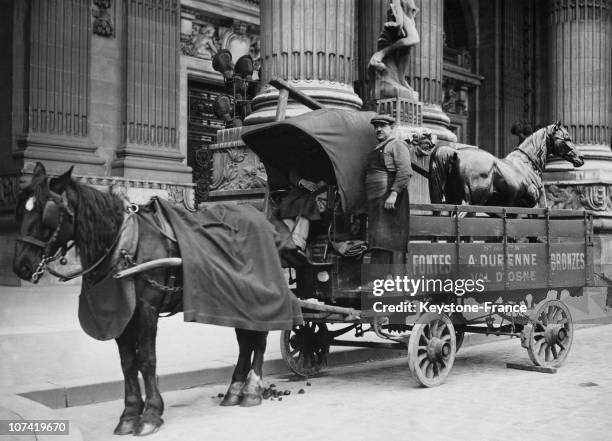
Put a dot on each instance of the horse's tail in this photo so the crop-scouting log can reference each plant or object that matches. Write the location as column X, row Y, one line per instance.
column 441, row 164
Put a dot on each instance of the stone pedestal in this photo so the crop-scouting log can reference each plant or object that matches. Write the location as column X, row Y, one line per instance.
column 580, row 49
column 309, row 44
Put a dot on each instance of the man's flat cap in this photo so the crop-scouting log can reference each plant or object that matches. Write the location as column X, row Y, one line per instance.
column 382, row 119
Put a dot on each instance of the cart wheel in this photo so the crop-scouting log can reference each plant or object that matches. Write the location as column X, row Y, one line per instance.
column 549, row 336
column 431, row 349
column 305, row 348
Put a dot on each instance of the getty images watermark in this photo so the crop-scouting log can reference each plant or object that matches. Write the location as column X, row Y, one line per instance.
column 392, row 295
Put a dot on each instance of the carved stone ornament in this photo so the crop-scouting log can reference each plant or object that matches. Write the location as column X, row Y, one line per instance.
column 203, row 42
column 237, row 169
column 176, row 193
column 563, row 197
column 181, row 195
column 103, row 23
column 595, row 197
column 209, row 37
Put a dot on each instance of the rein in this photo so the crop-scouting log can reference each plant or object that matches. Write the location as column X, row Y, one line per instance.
column 535, row 165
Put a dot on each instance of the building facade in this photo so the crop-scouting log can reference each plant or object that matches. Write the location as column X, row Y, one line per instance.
column 124, row 89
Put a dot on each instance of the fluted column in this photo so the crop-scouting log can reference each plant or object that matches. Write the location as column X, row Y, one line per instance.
column 580, row 72
column 426, row 66
column 580, row 90
column 151, row 92
column 55, row 122
column 310, row 44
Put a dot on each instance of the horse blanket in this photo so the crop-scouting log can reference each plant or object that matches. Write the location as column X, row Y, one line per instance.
column 232, row 274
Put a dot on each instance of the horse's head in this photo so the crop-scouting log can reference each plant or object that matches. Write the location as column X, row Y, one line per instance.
column 46, row 217
column 561, row 145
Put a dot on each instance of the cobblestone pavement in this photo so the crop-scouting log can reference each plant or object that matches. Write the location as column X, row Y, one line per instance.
column 481, row 400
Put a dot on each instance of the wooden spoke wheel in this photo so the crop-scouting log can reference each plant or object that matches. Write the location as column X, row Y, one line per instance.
column 431, row 349
column 549, row 337
column 305, row 348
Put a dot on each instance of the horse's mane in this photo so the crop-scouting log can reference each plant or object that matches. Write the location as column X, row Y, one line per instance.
column 98, row 219
column 535, row 144
column 536, row 139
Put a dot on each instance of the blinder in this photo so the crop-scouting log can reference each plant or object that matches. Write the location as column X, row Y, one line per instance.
column 54, row 211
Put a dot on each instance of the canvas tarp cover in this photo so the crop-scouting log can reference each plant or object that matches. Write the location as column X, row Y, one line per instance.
column 232, row 274
column 345, row 136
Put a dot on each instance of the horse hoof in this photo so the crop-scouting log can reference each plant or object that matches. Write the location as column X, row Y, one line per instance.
column 250, row 400
column 126, row 427
column 145, row 429
column 233, row 396
column 252, row 390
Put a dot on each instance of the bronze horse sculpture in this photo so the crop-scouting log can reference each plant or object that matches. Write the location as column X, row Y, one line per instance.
column 479, row 178
column 52, row 212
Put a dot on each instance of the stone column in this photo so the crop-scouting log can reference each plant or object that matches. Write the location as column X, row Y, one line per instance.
column 151, row 39
column 426, row 57
column 310, row 44
column 55, row 121
column 580, row 66
column 426, row 67
column 580, row 90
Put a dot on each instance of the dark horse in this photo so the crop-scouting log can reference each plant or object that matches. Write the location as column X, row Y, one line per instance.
column 54, row 211
column 479, row 178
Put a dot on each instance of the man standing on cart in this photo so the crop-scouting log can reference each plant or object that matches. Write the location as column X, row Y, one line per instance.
column 387, row 178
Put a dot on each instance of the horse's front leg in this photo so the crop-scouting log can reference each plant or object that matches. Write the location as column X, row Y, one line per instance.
column 253, row 388
column 233, row 396
column 133, row 400
column 146, row 319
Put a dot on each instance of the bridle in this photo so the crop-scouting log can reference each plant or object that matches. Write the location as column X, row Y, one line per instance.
column 46, row 258
column 64, row 208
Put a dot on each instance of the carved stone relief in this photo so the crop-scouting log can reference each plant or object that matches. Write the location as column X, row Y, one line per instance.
column 103, row 23
column 563, row 197
column 204, row 37
column 595, row 197
column 237, row 169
